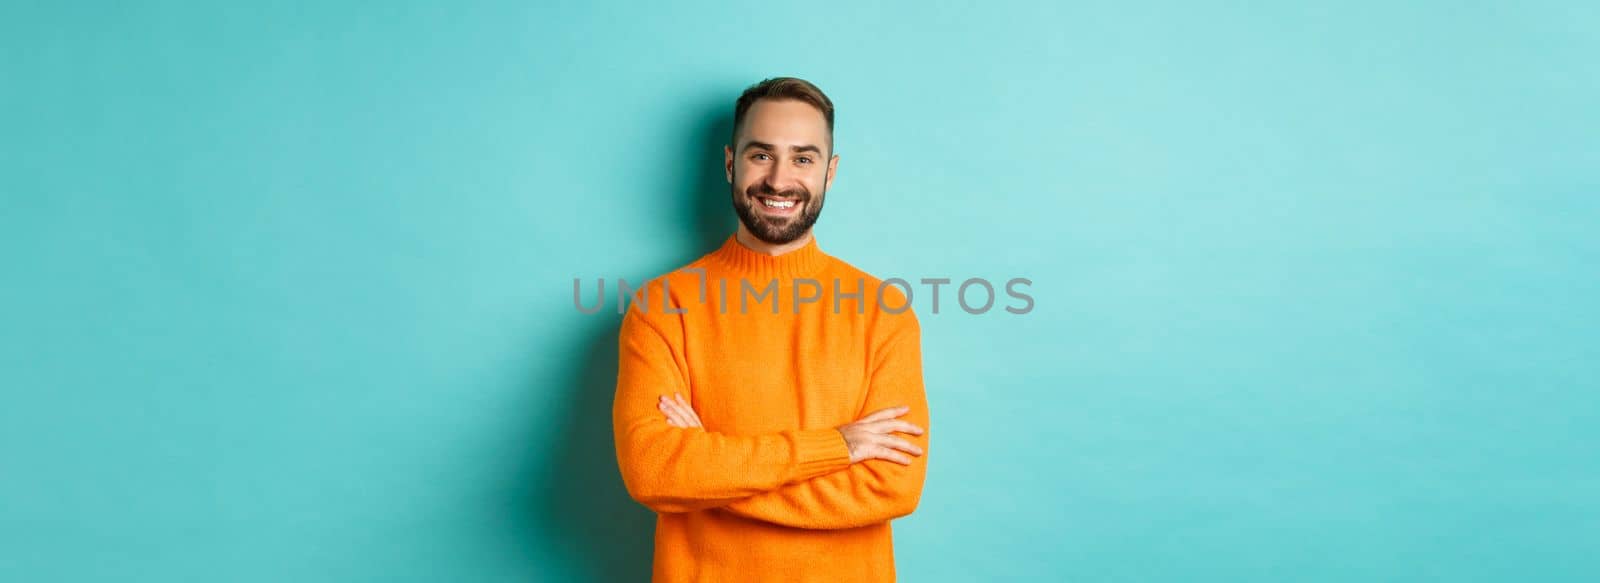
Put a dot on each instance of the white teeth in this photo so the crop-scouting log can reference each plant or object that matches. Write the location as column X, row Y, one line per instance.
column 778, row 204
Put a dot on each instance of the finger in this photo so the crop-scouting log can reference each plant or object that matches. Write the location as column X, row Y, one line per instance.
column 667, row 412
column 894, row 425
column 902, row 445
column 882, row 414
column 892, row 455
column 671, row 411
column 688, row 411
column 694, row 418
column 885, row 413
column 685, row 412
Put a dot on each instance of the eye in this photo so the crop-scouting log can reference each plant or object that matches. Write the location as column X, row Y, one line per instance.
column 803, row 159
column 760, row 156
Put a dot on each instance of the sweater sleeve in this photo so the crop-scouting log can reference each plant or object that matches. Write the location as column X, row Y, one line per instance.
column 679, row 469
column 874, row 490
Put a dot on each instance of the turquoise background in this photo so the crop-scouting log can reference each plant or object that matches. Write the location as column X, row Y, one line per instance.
column 287, row 288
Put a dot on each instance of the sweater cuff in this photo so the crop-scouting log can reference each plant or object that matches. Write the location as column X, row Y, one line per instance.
column 819, row 452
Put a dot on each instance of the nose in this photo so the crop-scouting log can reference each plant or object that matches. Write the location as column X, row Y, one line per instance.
column 779, row 177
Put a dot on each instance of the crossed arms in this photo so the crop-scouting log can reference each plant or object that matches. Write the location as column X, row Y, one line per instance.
column 854, row 475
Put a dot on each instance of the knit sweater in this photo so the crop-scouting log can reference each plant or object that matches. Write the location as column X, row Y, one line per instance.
column 765, row 490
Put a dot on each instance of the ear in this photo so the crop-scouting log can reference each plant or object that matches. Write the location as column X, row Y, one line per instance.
column 833, row 169
column 727, row 162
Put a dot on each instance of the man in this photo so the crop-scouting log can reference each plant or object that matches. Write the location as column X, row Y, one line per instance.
column 769, row 403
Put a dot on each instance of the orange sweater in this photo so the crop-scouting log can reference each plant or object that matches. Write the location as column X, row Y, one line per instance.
column 765, row 491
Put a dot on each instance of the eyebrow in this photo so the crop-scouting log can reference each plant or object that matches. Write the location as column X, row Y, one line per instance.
column 795, row 149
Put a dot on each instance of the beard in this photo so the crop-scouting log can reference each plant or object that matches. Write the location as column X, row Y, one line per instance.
column 776, row 230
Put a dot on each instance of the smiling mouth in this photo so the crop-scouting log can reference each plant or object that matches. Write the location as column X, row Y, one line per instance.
column 778, row 206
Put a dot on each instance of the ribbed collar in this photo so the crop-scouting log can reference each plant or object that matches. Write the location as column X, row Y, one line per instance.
column 746, row 262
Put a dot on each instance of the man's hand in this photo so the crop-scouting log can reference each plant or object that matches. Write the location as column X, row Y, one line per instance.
column 869, row 437
column 678, row 412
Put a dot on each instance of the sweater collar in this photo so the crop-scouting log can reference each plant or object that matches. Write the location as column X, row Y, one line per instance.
column 744, row 261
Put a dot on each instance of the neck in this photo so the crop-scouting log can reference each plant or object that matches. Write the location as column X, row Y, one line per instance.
column 754, row 244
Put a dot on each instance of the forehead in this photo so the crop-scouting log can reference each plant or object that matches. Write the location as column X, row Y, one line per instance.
column 784, row 122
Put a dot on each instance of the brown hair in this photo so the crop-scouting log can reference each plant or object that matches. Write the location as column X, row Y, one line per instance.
column 782, row 88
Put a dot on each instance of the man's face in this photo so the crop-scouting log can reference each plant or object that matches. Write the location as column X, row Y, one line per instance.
column 780, row 168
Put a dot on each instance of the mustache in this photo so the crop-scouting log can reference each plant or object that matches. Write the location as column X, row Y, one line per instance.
column 764, row 189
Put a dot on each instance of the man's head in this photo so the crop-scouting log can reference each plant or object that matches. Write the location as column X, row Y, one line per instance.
column 781, row 161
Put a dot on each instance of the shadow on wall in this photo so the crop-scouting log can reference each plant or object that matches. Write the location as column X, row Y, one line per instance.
column 577, row 498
